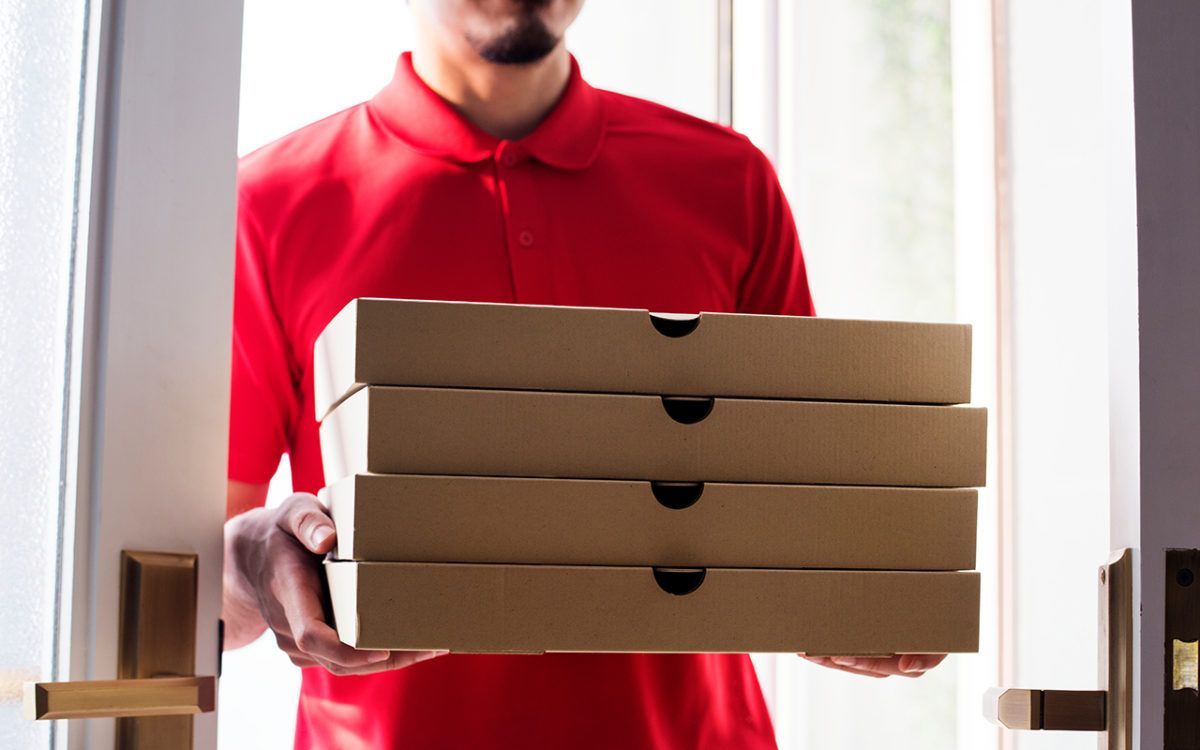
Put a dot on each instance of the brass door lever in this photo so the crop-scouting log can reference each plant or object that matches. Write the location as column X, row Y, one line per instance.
column 153, row 696
column 1070, row 710
column 1109, row 710
column 156, row 692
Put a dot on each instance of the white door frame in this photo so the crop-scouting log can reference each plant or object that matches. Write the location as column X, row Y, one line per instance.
column 148, row 406
column 1154, row 165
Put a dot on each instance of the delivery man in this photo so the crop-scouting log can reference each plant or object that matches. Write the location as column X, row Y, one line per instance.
column 486, row 170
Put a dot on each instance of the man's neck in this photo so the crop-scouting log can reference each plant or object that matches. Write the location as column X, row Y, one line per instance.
column 507, row 101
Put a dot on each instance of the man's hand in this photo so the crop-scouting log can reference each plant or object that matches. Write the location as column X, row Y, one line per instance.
column 273, row 580
column 904, row 665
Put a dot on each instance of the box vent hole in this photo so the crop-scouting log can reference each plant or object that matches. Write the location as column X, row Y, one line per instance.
column 673, row 325
column 677, row 495
column 686, row 410
column 679, row 581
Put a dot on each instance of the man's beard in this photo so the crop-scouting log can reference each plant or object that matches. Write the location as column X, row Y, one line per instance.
column 526, row 42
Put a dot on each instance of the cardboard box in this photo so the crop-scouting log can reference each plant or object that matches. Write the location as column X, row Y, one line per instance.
column 390, row 430
column 406, row 342
column 409, row 518
column 539, row 608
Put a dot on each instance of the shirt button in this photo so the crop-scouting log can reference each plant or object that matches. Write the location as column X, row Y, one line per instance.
column 525, row 238
column 508, row 160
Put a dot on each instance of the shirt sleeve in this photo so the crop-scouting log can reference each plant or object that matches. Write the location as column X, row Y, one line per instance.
column 264, row 392
column 775, row 282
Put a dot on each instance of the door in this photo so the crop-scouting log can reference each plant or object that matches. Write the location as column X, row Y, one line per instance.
column 1152, row 179
column 1134, row 235
column 125, row 120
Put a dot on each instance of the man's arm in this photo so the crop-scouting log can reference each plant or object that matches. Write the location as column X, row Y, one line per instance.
column 239, row 612
column 244, row 496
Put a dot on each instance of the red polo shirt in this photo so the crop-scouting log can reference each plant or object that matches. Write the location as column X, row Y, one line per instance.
column 612, row 201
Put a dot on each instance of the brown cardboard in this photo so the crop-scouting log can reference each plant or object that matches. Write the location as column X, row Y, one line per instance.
column 539, row 608
column 390, row 430
column 409, row 518
column 407, row 342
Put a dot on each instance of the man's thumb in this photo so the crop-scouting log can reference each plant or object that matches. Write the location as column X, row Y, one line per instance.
column 306, row 519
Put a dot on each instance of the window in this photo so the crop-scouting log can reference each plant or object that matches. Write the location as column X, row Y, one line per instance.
column 41, row 59
column 871, row 111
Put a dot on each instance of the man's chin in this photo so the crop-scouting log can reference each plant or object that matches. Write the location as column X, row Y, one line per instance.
column 528, row 43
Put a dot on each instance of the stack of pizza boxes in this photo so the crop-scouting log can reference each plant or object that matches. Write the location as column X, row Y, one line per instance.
column 524, row 479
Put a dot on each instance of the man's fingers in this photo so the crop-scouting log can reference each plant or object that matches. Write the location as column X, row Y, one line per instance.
column 885, row 666
column 395, row 660
column 904, row 665
column 401, row 659
column 829, row 663
column 914, row 665
column 303, row 661
column 375, row 661
column 289, row 647
column 297, row 596
column 305, row 518
column 317, row 640
column 867, row 667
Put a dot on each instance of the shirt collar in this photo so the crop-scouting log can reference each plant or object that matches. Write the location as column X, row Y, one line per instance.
column 568, row 138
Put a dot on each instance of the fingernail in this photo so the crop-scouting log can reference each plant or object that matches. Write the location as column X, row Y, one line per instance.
column 844, row 661
column 377, row 656
column 319, row 535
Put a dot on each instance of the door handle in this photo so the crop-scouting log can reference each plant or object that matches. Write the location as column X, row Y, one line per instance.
column 156, row 691
column 1109, row 709
column 1069, row 710
column 90, row 699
